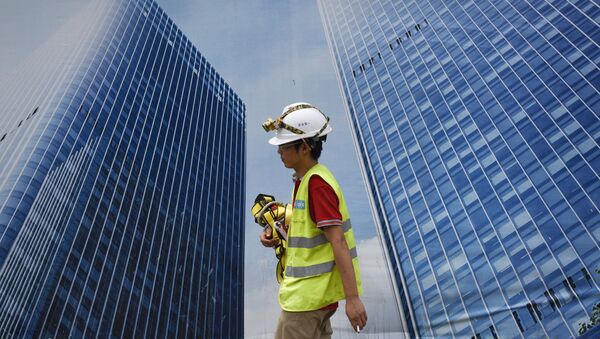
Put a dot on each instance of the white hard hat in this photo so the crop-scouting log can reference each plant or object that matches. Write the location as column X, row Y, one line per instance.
column 298, row 121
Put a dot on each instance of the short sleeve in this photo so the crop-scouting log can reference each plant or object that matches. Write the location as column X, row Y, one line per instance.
column 323, row 203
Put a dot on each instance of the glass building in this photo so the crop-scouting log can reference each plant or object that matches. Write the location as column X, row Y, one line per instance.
column 478, row 129
column 122, row 155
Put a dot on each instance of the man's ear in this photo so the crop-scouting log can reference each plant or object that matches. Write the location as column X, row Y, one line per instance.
column 305, row 148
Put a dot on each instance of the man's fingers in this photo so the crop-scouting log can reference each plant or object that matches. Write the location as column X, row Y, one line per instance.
column 267, row 239
column 360, row 321
column 266, row 235
column 357, row 324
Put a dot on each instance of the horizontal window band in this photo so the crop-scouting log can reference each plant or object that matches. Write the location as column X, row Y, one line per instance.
column 307, row 271
column 304, row 242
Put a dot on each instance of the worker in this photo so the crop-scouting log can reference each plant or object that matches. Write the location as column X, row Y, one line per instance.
column 322, row 263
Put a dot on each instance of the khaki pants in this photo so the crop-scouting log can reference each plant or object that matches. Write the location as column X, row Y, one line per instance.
column 304, row 325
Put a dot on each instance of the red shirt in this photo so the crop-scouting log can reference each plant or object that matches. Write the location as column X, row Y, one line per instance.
column 323, row 205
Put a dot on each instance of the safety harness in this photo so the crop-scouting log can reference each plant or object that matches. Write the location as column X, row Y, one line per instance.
column 270, row 213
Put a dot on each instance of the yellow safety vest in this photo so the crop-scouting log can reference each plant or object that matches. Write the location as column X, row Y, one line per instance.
column 311, row 280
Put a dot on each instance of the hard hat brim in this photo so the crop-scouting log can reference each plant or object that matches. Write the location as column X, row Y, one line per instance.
column 276, row 140
column 282, row 139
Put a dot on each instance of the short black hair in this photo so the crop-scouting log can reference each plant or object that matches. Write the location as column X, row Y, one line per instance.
column 315, row 144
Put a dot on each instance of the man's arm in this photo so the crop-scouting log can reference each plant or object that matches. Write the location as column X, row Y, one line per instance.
column 355, row 310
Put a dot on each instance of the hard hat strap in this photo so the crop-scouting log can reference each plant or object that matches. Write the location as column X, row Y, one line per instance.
column 281, row 124
column 296, row 108
column 322, row 128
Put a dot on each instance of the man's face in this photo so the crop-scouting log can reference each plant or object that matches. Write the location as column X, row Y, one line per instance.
column 290, row 155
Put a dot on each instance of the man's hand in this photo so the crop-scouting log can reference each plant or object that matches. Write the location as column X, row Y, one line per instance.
column 357, row 315
column 266, row 238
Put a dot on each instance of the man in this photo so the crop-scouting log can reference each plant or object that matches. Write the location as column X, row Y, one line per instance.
column 322, row 265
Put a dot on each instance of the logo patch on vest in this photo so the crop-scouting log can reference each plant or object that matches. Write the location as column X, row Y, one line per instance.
column 300, row 204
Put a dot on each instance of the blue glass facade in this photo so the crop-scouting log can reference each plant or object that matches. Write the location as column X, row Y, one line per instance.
column 477, row 126
column 122, row 155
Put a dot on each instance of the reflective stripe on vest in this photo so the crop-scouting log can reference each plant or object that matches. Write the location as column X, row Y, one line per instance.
column 303, row 242
column 307, row 271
